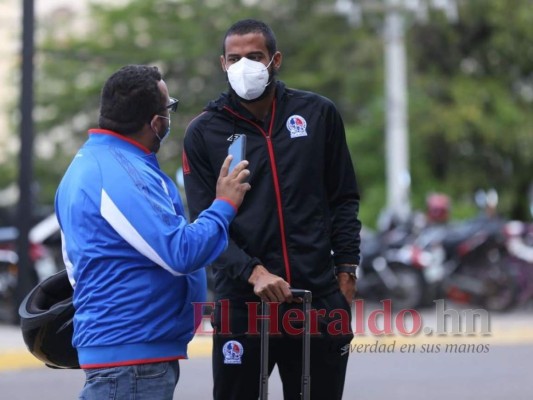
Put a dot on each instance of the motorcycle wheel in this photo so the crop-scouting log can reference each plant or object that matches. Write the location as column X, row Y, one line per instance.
column 500, row 287
column 409, row 293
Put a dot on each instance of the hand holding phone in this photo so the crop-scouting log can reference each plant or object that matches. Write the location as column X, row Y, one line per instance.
column 238, row 150
column 229, row 186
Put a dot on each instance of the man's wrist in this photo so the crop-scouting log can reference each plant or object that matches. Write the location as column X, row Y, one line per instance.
column 349, row 269
column 257, row 271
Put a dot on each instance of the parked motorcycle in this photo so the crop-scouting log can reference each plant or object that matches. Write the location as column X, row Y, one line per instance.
column 8, row 272
column 44, row 251
column 467, row 260
column 519, row 258
column 384, row 273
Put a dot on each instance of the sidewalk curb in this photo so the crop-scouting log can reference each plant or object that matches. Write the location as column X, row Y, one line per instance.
column 201, row 345
column 21, row 358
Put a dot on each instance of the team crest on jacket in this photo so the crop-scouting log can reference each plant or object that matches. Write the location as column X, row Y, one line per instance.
column 297, row 125
column 232, row 351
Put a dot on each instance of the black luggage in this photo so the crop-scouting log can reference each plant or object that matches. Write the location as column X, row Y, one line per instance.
column 305, row 393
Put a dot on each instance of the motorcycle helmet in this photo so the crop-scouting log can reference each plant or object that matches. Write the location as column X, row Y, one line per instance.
column 46, row 315
column 438, row 208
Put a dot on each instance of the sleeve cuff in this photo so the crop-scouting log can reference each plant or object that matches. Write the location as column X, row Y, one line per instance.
column 224, row 208
column 345, row 259
column 231, row 203
column 246, row 272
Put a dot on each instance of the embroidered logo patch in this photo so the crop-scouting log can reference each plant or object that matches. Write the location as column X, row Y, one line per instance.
column 232, row 351
column 297, row 125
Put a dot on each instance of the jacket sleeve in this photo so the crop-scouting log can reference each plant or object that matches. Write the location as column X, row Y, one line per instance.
column 145, row 215
column 200, row 177
column 343, row 193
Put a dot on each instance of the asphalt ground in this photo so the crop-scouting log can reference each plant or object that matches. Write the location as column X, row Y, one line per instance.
column 509, row 328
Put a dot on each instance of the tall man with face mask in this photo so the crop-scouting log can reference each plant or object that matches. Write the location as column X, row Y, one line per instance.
column 298, row 226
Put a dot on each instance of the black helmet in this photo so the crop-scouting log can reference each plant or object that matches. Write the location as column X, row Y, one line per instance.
column 46, row 322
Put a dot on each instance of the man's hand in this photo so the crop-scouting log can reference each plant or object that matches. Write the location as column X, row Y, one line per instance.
column 347, row 285
column 268, row 286
column 232, row 186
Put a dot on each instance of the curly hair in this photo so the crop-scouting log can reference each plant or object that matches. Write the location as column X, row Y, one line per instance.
column 246, row 26
column 130, row 98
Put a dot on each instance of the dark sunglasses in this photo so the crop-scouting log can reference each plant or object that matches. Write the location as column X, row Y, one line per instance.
column 173, row 105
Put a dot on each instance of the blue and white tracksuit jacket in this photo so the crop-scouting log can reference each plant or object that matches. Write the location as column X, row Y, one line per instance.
column 134, row 261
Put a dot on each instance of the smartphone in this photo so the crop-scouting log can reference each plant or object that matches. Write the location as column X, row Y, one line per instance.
column 237, row 149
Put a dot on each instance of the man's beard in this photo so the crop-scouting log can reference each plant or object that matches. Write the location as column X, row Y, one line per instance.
column 272, row 73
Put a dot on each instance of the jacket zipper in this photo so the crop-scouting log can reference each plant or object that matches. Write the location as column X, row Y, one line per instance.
column 268, row 136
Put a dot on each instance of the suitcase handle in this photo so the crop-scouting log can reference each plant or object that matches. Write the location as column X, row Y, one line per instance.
column 305, row 295
column 299, row 292
column 306, row 343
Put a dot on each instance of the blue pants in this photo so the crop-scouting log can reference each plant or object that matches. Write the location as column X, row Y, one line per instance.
column 155, row 381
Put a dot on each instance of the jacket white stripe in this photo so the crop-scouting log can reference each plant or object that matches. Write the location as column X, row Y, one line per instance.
column 124, row 228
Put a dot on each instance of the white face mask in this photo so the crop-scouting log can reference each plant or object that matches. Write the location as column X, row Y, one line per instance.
column 248, row 78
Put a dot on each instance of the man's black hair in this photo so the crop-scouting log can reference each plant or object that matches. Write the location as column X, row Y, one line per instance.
column 130, row 98
column 246, row 26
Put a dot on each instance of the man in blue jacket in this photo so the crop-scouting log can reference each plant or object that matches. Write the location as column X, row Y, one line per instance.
column 135, row 263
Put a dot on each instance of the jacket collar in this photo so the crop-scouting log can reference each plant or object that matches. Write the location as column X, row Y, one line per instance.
column 114, row 137
column 227, row 100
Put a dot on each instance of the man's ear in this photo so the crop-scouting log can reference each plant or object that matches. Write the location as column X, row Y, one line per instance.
column 277, row 60
column 153, row 123
column 223, row 63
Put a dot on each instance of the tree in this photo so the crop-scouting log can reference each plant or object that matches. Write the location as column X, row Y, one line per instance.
column 184, row 38
column 471, row 99
column 470, row 85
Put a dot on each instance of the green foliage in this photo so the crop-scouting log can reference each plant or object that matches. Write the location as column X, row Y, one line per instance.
column 8, row 173
column 183, row 38
column 471, row 99
column 470, row 85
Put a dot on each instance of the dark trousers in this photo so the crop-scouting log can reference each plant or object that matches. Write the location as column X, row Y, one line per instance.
column 236, row 350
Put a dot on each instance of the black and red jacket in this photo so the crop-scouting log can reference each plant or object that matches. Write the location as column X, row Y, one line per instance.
column 300, row 217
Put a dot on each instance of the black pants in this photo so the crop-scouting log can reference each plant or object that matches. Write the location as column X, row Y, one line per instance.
column 236, row 350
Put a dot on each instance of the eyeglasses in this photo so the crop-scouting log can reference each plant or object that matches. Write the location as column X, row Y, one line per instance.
column 173, row 105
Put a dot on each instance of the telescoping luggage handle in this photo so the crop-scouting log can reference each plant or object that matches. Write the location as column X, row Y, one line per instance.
column 305, row 394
